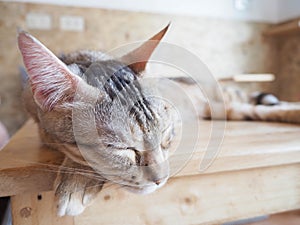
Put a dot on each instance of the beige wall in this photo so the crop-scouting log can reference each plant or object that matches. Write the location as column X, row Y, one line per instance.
column 288, row 82
column 227, row 47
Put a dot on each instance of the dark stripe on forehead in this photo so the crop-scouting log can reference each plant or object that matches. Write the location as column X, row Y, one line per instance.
column 118, row 77
column 143, row 115
column 120, row 84
column 141, row 108
column 144, row 105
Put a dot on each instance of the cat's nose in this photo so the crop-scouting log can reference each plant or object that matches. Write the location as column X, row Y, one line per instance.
column 159, row 181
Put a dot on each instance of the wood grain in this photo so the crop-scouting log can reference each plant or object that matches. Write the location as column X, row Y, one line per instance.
column 202, row 199
column 37, row 209
column 255, row 173
column 27, row 166
column 286, row 218
column 288, row 28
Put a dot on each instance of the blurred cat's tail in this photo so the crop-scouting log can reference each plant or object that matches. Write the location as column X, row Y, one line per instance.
column 24, row 76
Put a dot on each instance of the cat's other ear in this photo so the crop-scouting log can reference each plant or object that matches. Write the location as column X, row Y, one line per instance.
column 50, row 79
column 141, row 55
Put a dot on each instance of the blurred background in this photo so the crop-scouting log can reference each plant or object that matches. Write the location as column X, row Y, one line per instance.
column 230, row 36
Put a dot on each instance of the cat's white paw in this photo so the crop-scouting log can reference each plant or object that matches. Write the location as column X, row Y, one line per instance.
column 70, row 204
column 74, row 191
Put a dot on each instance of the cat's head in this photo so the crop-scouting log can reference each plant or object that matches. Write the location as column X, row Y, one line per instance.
column 97, row 109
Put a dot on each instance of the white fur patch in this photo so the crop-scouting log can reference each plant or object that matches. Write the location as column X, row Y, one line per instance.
column 71, row 205
column 126, row 153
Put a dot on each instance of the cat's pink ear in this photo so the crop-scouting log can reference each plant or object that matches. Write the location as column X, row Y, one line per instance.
column 141, row 55
column 51, row 80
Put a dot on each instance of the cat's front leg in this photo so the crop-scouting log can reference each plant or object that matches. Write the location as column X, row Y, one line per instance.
column 75, row 187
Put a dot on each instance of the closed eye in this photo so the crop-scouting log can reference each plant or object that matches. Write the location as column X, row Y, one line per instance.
column 116, row 146
column 138, row 156
column 126, row 154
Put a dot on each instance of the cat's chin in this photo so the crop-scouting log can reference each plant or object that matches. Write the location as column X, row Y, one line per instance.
column 144, row 190
column 141, row 190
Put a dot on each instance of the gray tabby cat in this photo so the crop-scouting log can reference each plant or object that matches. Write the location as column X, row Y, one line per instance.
column 131, row 153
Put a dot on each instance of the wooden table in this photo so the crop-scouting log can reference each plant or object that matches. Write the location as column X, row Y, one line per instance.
column 256, row 172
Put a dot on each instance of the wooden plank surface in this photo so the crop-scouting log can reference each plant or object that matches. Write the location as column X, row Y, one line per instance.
column 202, row 199
column 286, row 218
column 37, row 209
column 25, row 165
column 287, row 28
